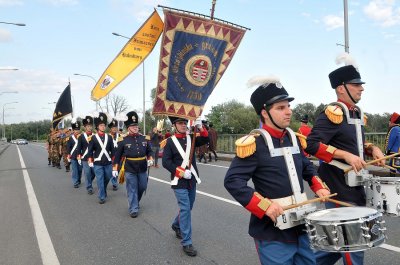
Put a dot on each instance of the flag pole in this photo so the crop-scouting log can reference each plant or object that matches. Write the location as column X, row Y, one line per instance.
column 213, row 8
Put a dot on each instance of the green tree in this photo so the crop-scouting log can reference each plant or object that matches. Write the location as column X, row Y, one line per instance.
column 304, row 109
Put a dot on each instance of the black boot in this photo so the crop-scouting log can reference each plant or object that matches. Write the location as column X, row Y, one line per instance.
column 67, row 168
column 58, row 166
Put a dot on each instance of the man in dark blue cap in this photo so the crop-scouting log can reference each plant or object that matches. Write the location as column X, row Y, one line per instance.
column 113, row 126
column 267, row 158
column 73, row 152
column 338, row 133
column 138, row 155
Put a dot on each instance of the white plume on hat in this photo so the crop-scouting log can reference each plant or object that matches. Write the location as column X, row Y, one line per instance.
column 346, row 59
column 74, row 119
column 94, row 114
column 121, row 116
column 263, row 80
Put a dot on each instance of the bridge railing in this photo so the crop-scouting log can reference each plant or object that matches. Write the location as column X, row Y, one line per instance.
column 226, row 142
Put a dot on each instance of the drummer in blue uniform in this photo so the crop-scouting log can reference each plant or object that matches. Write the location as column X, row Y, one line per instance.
column 392, row 143
column 184, row 178
column 100, row 152
column 83, row 144
column 262, row 160
column 73, row 152
column 113, row 126
column 338, row 133
column 138, row 155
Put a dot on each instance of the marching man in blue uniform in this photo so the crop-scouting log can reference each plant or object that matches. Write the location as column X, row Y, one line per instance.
column 136, row 155
column 83, row 149
column 184, row 176
column 392, row 143
column 113, row 125
column 100, row 152
column 338, row 133
column 73, row 152
column 271, row 157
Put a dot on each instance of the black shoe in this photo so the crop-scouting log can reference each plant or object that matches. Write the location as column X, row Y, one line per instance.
column 177, row 231
column 102, row 201
column 90, row 192
column 54, row 165
column 189, row 250
column 49, row 164
column 115, row 188
column 134, row 214
column 216, row 159
column 58, row 166
column 76, row 186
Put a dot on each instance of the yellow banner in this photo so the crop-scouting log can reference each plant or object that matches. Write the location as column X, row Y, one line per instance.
column 130, row 57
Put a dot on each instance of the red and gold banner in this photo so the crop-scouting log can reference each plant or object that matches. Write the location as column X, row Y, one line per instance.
column 130, row 57
column 195, row 53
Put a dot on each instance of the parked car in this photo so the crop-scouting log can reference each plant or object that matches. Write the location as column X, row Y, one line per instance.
column 22, row 141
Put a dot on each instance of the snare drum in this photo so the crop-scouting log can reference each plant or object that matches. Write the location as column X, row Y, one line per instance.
column 345, row 229
column 383, row 194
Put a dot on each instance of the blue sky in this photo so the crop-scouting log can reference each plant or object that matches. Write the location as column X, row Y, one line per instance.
column 295, row 40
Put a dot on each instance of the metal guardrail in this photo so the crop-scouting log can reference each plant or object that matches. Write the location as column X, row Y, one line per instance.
column 226, row 142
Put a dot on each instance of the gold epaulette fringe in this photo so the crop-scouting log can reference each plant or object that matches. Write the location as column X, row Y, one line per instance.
column 334, row 114
column 246, row 146
column 163, row 143
column 303, row 142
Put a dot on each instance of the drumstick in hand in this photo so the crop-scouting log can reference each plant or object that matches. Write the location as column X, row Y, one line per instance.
column 339, row 202
column 307, row 202
column 374, row 161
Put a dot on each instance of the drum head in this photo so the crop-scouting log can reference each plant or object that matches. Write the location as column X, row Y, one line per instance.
column 340, row 214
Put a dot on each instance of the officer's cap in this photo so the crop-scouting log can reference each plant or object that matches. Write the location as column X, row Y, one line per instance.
column 270, row 91
column 176, row 119
column 88, row 120
column 100, row 119
column 395, row 118
column 304, row 118
column 75, row 125
column 113, row 123
column 132, row 119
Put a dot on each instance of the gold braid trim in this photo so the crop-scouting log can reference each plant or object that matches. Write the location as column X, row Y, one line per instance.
column 264, row 203
column 246, row 146
column 163, row 143
column 334, row 114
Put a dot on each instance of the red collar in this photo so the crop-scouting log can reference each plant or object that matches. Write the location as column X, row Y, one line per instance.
column 180, row 135
column 133, row 134
column 100, row 133
column 349, row 106
column 274, row 132
column 89, row 133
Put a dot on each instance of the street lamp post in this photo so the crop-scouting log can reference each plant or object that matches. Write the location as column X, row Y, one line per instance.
column 15, row 24
column 144, row 88
column 8, row 69
column 95, row 82
column 4, row 125
column 8, row 92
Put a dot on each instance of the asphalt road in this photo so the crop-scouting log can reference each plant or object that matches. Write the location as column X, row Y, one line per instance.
column 52, row 223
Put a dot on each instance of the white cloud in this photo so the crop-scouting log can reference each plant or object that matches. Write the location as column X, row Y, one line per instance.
column 140, row 9
column 11, row 3
column 61, row 2
column 304, row 14
column 333, row 22
column 384, row 12
column 5, row 35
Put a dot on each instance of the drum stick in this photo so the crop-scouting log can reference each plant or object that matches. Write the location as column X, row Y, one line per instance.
column 339, row 202
column 307, row 202
column 374, row 161
column 389, row 167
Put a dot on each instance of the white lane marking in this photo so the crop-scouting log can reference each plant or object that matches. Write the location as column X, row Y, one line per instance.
column 202, row 193
column 211, row 165
column 47, row 252
column 385, row 246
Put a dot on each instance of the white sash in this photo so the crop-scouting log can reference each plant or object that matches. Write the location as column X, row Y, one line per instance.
column 103, row 147
column 75, row 144
column 185, row 156
column 87, row 147
column 115, row 142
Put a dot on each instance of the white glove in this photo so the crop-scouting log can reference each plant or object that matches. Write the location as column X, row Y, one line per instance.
column 198, row 123
column 90, row 164
column 115, row 174
column 69, row 160
column 188, row 174
column 80, row 162
column 150, row 162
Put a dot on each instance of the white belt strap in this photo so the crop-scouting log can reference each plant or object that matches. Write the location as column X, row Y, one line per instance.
column 87, row 147
column 115, row 141
column 357, row 123
column 75, row 144
column 185, row 156
column 287, row 153
column 103, row 148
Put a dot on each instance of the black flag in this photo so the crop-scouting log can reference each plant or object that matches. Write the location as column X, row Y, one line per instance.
column 63, row 107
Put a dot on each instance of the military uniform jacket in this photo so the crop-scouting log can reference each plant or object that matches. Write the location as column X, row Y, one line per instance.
column 172, row 159
column 133, row 146
column 342, row 136
column 393, row 140
column 70, row 147
column 83, row 145
column 271, row 180
column 95, row 149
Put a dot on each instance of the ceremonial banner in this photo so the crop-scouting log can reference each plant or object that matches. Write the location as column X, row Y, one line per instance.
column 195, row 53
column 130, row 57
column 63, row 106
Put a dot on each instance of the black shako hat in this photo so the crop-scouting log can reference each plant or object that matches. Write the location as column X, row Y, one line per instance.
column 76, row 125
column 87, row 120
column 345, row 75
column 101, row 119
column 176, row 119
column 304, row 118
column 132, row 120
column 268, row 94
column 113, row 123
